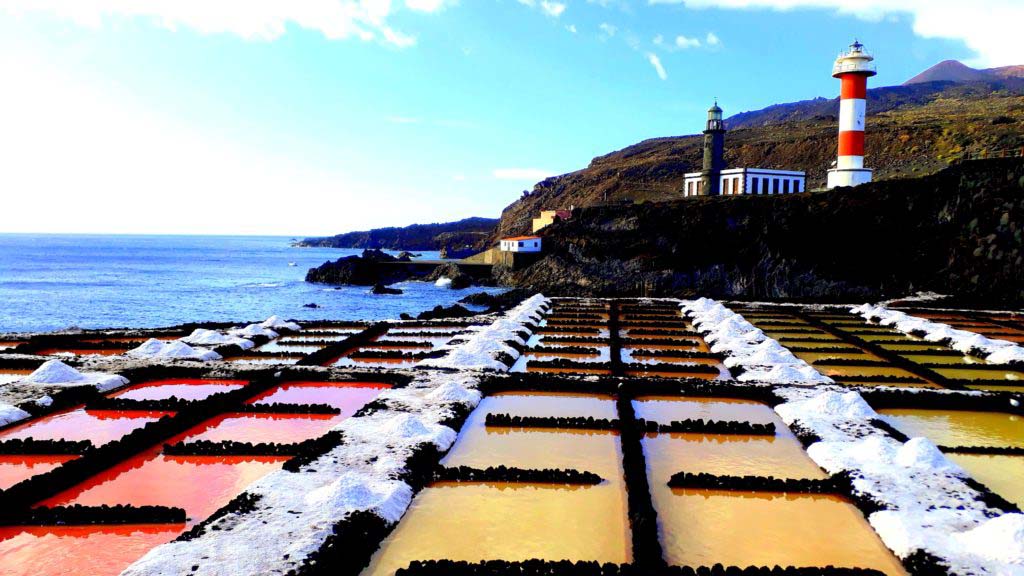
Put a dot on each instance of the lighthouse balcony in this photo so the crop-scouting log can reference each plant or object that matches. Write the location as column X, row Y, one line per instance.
column 853, row 65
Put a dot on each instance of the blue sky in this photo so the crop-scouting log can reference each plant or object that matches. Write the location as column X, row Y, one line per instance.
column 321, row 116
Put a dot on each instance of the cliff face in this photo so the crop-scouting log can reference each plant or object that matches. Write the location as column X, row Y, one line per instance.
column 956, row 232
column 912, row 131
column 449, row 235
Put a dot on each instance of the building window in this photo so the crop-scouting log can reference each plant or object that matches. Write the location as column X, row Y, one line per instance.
column 736, row 185
column 775, row 185
column 785, row 186
column 520, row 244
column 796, row 185
column 754, row 188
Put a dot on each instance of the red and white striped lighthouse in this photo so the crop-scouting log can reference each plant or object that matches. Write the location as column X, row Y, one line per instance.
column 853, row 68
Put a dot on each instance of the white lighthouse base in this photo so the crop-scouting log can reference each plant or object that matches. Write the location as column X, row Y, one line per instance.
column 848, row 177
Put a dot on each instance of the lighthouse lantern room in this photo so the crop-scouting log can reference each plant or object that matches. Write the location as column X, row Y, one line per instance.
column 853, row 68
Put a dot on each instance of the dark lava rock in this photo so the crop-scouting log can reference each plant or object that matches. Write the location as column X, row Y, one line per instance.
column 382, row 289
column 957, row 232
column 453, row 311
column 455, row 253
column 311, row 305
column 365, row 270
column 497, row 302
column 451, row 271
column 407, row 256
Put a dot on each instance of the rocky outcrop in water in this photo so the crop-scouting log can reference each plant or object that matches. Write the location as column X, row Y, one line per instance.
column 364, row 270
column 956, row 232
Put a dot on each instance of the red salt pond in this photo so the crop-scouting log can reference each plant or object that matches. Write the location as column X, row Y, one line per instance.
column 199, row 484
column 345, row 396
column 183, row 388
column 270, row 428
column 84, row 351
column 78, row 550
column 8, row 376
column 17, row 467
column 97, row 426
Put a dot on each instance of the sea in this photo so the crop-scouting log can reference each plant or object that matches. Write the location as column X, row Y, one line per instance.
column 54, row 282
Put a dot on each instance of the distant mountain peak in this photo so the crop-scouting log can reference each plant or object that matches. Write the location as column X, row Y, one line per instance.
column 950, row 71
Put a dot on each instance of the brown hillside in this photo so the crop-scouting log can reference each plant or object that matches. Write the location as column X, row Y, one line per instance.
column 902, row 141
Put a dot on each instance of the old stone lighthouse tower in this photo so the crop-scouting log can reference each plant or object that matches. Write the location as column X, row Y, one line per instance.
column 714, row 150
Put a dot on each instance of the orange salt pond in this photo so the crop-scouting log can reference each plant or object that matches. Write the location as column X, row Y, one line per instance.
column 182, row 388
column 269, row 428
column 345, row 396
column 959, row 427
column 475, row 522
column 1000, row 473
column 666, row 409
column 17, row 467
column 704, row 527
column 198, row 484
column 97, row 426
column 78, row 550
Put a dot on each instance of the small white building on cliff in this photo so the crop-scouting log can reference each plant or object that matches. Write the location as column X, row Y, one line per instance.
column 521, row 244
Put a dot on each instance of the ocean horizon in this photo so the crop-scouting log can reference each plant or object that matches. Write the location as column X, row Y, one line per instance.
column 62, row 281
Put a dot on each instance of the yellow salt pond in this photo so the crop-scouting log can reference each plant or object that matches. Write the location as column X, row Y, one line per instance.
column 911, row 347
column 815, row 344
column 840, row 371
column 480, row 446
column 704, row 527
column 894, row 336
column 1002, row 474
column 959, row 427
column 975, row 374
column 476, row 522
column 549, row 404
column 997, row 388
column 666, row 409
column 951, row 360
column 811, row 357
column 780, row 456
column 824, row 336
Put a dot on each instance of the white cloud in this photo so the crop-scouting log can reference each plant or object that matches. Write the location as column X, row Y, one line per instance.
column 989, row 27
column 553, row 9
column 656, row 62
column 548, row 7
column 265, row 20
column 571, row 28
column 712, row 40
column 531, row 174
column 607, row 30
column 428, row 5
column 684, row 42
